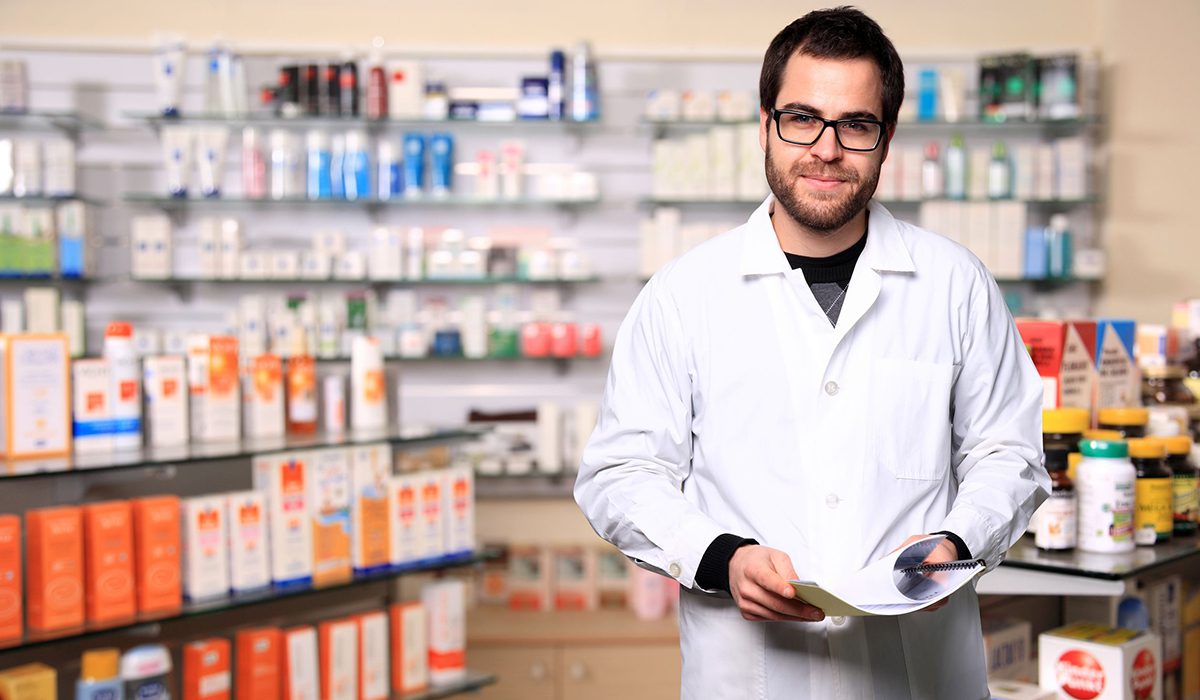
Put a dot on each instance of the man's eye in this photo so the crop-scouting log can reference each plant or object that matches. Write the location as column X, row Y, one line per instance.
column 802, row 119
column 854, row 126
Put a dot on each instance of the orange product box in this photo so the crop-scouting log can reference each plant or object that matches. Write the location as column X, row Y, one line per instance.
column 35, row 395
column 11, row 610
column 339, row 659
column 206, row 670
column 158, row 565
column 410, row 647
column 259, row 653
column 300, row 679
column 108, row 561
column 54, row 568
column 372, row 655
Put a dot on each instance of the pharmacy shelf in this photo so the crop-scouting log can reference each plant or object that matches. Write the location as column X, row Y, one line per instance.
column 42, row 120
column 359, row 122
column 40, row 201
column 929, row 124
column 1048, row 281
column 22, row 279
column 201, row 453
column 1076, row 202
column 513, row 486
column 1028, row 570
column 473, row 682
column 434, row 359
column 448, row 282
column 451, row 202
column 893, row 203
column 210, row 606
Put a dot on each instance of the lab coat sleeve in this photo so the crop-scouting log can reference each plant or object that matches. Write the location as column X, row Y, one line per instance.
column 997, row 402
column 631, row 478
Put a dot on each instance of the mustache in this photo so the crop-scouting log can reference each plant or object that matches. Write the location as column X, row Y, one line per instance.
column 827, row 173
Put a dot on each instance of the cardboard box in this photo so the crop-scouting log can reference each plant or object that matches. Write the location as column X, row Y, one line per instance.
column 1001, row 689
column 574, row 578
column 371, row 525
column 209, row 239
column 445, row 603
column 1062, row 351
column 222, row 418
column 92, row 410
column 205, row 547
column 339, row 660
column 249, row 544
column 410, row 647
column 1008, row 644
column 373, row 674
column 1100, row 663
column 407, row 531
column 612, row 579
column 29, row 682
column 158, row 553
column 264, row 397
column 108, row 561
column 150, row 248
column 458, row 507
column 530, row 578
column 206, row 670
column 284, row 480
column 166, row 397
column 430, row 485
column 330, row 496
column 1191, row 639
column 259, row 660
column 54, row 568
column 12, row 613
column 36, row 377
column 231, row 249
column 1118, row 382
column 301, row 680
column 1164, row 599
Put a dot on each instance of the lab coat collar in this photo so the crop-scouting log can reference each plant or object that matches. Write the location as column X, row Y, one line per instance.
column 885, row 250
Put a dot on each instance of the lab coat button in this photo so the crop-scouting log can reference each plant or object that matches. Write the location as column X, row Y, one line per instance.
column 831, row 388
column 832, row 500
column 674, row 570
column 838, row 620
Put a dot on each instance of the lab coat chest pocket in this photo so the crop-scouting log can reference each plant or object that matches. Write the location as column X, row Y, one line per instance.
column 909, row 415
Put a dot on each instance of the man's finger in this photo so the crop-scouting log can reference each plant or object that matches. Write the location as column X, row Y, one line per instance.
column 783, row 567
column 789, row 608
column 770, row 580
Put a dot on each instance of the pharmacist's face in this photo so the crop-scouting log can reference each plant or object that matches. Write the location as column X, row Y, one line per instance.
column 823, row 186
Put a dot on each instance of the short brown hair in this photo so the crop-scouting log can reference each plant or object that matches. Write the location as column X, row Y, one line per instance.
column 837, row 33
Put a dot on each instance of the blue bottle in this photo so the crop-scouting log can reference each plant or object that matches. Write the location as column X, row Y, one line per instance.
column 414, row 165
column 320, row 184
column 99, row 677
column 357, row 167
column 389, row 178
column 337, row 166
column 441, row 156
column 556, row 90
column 585, row 94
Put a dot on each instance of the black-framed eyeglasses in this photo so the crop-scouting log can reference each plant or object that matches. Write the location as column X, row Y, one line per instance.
column 804, row 129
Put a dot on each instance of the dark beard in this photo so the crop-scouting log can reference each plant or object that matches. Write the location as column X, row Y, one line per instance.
column 824, row 216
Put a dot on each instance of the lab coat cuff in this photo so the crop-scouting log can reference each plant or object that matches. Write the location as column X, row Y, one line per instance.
column 972, row 527
column 694, row 540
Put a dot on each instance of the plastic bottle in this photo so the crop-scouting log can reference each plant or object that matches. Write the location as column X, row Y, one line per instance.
column 556, row 92
column 126, row 385
column 320, row 184
column 1056, row 518
column 999, row 173
column 285, row 166
column 933, row 183
column 956, row 169
column 377, row 87
column 585, row 104
column 1106, row 496
column 1059, row 246
column 1153, row 517
column 357, row 167
column 349, row 92
column 1184, row 503
column 1130, row 421
column 100, row 675
column 301, row 388
column 254, row 165
column 146, row 672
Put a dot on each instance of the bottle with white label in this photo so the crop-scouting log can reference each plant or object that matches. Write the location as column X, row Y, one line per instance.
column 956, row 169
column 1105, row 485
column 999, row 173
column 1056, row 518
column 126, row 374
column 933, row 184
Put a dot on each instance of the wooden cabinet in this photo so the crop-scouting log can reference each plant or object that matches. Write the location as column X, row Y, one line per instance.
column 603, row 655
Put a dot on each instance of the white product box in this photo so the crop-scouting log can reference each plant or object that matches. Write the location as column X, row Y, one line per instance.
column 35, row 396
column 549, row 438
column 59, row 175
column 752, row 179
column 301, row 668
column 575, row 582
column 41, row 310
column 458, row 505
column 387, row 254
column 1015, row 690
column 252, row 325
column 371, row 524
column 285, row 265
column 1009, row 222
column 92, row 386
column 263, row 392
column 283, row 478
column 613, row 579
column 215, row 391
column 1071, row 160
column 978, row 231
column 410, row 647
column 147, row 342
column 175, row 342
column 530, row 578
column 231, row 249
column 150, row 247
column 406, row 90
column 1025, row 168
column 723, row 148
column 339, row 660
column 1100, row 663
column 329, row 507
column 911, row 158
column 407, row 524
column 350, row 266
column 73, row 326
column 445, row 603
column 205, row 547
column 1164, row 600
column 368, row 385
column 1008, row 644
column 315, row 266
column 373, row 656
column 980, row 157
column 1045, row 181
column 166, row 400
column 331, row 243
column 430, row 485
column 249, row 541
column 253, row 265
column 209, row 240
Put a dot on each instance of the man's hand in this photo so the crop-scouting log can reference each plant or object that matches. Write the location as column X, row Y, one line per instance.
column 943, row 552
column 758, row 580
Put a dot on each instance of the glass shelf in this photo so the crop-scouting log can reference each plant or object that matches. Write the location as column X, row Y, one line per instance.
column 532, row 485
column 1048, row 281
column 455, row 282
column 455, row 201
column 1111, row 567
column 472, row 683
column 466, row 360
column 40, row 201
column 360, row 122
column 240, row 600
column 41, row 120
column 14, row 278
column 199, row 453
column 965, row 123
column 894, row 203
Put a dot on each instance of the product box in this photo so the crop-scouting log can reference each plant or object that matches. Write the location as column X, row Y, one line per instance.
column 205, row 547
column 222, row 403
column 529, row 578
column 150, row 247
column 35, row 376
column 430, row 485
column 301, row 677
column 373, row 674
column 1008, row 644
column 92, row 423
column 158, row 553
column 249, row 543
column 410, row 647
column 210, row 249
column 284, row 480
column 54, row 568
column 1015, row 690
column 108, row 561
column 1191, row 639
column 371, row 525
column 1100, row 663
column 259, row 659
column 166, row 400
column 29, row 682
column 206, row 670
column 339, row 660
column 264, row 397
column 12, row 613
column 458, row 507
column 330, row 495
column 574, row 578
column 612, row 579
column 407, row 525
column 231, row 249
column 1062, row 352
column 1164, row 599
column 1118, row 383
column 445, row 603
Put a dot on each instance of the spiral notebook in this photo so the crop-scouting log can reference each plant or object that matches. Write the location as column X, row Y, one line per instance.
column 897, row 584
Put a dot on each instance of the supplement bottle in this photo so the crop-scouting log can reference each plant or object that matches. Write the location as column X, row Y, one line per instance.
column 1153, row 518
column 1185, row 482
column 1106, row 495
column 1130, row 422
column 1062, row 428
column 1056, row 519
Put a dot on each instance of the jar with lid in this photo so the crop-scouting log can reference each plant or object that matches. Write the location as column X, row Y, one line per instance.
column 1075, row 458
column 1062, row 428
column 1105, row 490
column 1056, row 518
column 1167, row 398
column 1186, row 478
column 1154, row 514
column 1130, row 421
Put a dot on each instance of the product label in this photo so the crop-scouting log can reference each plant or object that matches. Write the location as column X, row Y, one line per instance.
column 1155, row 511
column 1076, row 374
column 1145, row 675
column 1185, row 499
column 1080, row 675
column 1056, row 521
column 1105, row 510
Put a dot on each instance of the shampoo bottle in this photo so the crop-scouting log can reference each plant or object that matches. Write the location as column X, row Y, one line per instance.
column 585, row 104
column 999, row 173
column 956, row 169
column 99, row 678
column 146, row 672
column 932, row 181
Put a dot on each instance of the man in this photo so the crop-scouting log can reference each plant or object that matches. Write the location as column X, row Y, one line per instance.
column 802, row 395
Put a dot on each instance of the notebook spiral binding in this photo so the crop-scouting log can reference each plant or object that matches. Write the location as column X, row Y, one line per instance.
column 944, row 566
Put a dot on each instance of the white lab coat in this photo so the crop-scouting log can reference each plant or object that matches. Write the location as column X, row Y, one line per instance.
column 733, row 405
